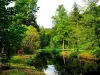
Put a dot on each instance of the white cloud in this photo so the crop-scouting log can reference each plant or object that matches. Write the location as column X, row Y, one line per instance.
column 48, row 8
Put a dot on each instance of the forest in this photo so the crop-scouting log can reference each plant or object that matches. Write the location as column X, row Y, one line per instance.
column 27, row 48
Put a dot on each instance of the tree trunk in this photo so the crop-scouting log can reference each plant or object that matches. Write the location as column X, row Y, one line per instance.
column 63, row 45
column 63, row 50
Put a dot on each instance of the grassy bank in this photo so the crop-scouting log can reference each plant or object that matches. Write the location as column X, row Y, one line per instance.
column 20, row 65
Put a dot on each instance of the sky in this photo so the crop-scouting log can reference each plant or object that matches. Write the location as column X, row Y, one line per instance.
column 48, row 9
column 11, row 4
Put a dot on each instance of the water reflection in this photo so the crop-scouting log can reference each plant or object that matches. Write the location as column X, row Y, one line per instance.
column 53, row 65
column 50, row 70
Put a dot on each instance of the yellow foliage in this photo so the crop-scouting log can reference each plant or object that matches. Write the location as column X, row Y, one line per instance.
column 65, row 53
column 30, row 1
column 87, row 56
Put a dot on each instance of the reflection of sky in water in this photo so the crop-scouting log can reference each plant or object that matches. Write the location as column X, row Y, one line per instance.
column 50, row 70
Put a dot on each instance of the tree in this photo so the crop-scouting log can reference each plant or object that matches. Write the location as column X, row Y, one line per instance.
column 83, row 26
column 61, row 26
column 31, row 42
column 79, row 33
column 45, row 37
column 76, row 28
column 15, row 36
column 12, row 21
column 91, row 20
column 25, row 13
column 5, row 20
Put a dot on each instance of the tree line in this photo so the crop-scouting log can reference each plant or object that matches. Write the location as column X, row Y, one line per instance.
column 76, row 30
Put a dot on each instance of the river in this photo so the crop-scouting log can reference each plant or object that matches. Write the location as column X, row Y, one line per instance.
column 54, row 65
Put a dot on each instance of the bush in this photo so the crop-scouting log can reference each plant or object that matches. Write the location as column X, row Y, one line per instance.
column 97, row 53
column 74, row 55
column 16, row 59
column 30, row 60
column 25, row 59
column 86, row 55
column 66, row 54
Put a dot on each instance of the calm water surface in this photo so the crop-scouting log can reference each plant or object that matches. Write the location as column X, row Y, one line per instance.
column 50, row 70
column 53, row 64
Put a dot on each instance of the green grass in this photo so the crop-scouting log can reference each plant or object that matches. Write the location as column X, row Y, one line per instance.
column 17, row 72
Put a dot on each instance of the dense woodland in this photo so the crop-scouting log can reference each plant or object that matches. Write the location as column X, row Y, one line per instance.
column 76, row 30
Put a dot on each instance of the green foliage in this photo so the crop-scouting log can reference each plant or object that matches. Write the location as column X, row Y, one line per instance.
column 31, row 41
column 17, row 72
column 30, row 60
column 76, row 34
column 5, row 21
column 73, row 55
column 16, row 59
column 22, row 60
column 15, row 35
column 12, row 21
column 45, row 36
column 61, row 26
column 96, row 52
column 25, row 13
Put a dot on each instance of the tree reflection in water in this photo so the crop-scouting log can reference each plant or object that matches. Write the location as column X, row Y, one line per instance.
column 73, row 66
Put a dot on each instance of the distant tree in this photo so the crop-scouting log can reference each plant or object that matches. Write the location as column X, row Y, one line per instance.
column 45, row 37
column 31, row 41
column 89, row 1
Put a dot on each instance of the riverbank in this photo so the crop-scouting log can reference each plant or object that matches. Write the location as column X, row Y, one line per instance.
column 19, row 65
column 34, row 64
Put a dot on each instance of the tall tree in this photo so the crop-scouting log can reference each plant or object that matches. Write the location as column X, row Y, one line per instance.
column 76, row 28
column 61, row 26
column 31, row 41
column 24, row 15
column 25, row 12
column 5, row 20
column 91, row 20
column 12, row 21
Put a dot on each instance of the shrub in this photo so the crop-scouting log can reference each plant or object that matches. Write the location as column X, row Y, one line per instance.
column 25, row 59
column 30, row 60
column 86, row 55
column 74, row 54
column 97, row 53
column 16, row 59
column 63, row 53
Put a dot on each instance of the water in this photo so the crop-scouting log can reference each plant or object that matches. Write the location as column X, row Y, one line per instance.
column 50, row 70
column 53, row 64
